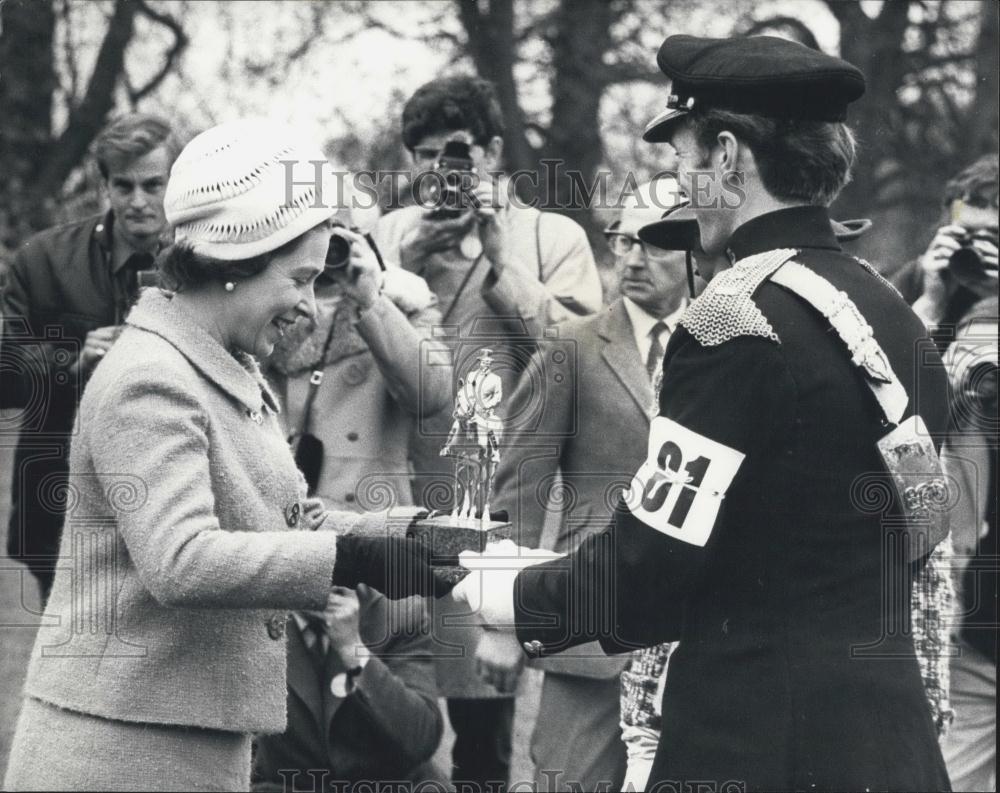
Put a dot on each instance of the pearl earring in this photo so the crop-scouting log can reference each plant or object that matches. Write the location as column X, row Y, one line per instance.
column 230, row 286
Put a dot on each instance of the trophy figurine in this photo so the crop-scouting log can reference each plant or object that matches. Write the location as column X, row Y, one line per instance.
column 474, row 444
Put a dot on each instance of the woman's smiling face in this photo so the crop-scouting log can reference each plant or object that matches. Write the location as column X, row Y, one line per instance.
column 265, row 305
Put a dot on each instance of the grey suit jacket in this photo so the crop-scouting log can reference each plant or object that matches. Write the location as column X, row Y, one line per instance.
column 581, row 410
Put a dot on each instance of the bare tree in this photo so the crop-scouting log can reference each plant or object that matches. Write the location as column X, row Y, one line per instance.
column 929, row 109
column 37, row 160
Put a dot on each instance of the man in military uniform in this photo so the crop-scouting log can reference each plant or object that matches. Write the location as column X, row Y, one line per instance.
column 753, row 533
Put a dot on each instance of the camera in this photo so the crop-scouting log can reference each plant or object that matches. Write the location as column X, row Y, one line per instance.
column 453, row 171
column 967, row 265
column 338, row 254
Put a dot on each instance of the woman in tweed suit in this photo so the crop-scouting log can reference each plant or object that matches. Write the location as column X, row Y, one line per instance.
column 186, row 540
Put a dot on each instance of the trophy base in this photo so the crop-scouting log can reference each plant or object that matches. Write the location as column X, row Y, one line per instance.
column 447, row 537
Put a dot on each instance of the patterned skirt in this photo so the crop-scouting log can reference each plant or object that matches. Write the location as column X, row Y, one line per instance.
column 58, row 749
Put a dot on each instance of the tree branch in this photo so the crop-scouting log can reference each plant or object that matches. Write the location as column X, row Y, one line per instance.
column 69, row 53
column 86, row 120
column 180, row 44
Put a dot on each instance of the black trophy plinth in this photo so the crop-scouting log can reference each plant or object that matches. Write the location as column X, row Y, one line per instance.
column 447, row 536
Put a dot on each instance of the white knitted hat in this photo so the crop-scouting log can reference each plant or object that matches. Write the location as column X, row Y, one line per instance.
column 228, row 195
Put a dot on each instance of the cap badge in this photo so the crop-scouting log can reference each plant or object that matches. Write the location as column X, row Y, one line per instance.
column 674, row 103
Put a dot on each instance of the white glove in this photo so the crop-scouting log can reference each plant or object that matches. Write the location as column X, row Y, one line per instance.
column 489, row 588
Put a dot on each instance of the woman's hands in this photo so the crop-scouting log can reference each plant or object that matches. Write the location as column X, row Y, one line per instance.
column 398, row 567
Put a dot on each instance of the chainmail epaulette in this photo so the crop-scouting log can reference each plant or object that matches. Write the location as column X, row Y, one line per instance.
column 726, row 310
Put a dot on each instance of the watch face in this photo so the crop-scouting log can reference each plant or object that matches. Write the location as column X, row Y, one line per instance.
column 342, row 685
column 339, row 685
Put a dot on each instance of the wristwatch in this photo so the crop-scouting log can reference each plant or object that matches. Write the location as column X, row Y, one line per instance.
column 342, row 685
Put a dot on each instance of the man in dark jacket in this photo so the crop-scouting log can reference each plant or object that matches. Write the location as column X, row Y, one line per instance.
column 66, row 293
column 763, row 532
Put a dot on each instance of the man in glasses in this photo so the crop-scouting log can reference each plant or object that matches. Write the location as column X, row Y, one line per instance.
column 587, row 419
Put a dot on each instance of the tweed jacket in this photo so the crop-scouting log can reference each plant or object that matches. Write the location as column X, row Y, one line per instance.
column 180, row 554
column 585, row 414
column 551, row 277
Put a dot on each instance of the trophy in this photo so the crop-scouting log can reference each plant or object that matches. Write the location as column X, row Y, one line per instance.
column 474, row 444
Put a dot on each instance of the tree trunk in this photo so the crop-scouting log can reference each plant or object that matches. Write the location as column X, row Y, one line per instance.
column 984, row 116
column 582, row 36
column 874, row 46
column 493, row 49
column 27, row 89
column 87, row 119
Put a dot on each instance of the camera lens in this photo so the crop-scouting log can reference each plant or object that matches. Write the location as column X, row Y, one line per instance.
column 338, row 254
column 967, row 266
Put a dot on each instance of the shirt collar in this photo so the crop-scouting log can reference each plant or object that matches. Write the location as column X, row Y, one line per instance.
column 795, row 227
column 643, row 322
column 116, row 251
column 240, row 376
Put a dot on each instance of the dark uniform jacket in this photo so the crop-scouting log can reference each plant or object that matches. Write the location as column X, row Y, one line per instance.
column 795, row 668
column 59, row 286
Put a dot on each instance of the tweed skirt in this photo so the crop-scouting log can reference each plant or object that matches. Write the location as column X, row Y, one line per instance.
column 59, row 749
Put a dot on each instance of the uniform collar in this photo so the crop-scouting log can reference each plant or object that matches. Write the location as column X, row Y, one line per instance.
column 240, row 377
column 795, row 227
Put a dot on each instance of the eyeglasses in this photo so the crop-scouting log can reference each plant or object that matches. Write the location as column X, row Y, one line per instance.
column 621, row 244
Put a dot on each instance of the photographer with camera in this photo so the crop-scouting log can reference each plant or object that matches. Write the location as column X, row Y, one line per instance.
column 499, row 269
column 959, row 266
column 76, row 281
column 350, row 376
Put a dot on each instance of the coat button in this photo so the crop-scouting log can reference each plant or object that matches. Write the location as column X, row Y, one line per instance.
column 276, row 626
column 292, row 514
column 533, row 648
column 355, row 373
column 352, row 436
column 349, row 498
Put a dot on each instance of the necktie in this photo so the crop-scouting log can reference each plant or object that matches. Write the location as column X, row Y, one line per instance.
column 317, row 642
column 655, row 357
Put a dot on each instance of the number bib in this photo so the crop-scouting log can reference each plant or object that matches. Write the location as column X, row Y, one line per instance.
column 680, row 487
